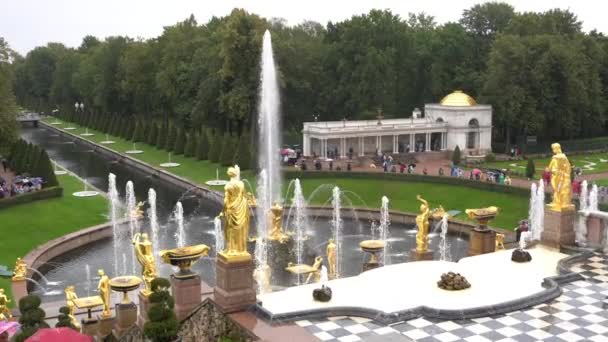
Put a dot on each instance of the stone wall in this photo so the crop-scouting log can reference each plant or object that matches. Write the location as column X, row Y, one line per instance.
column 208, row 324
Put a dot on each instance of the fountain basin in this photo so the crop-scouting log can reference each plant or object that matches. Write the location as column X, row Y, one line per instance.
column 170, row 164
column 87, row 193
column 134, row 152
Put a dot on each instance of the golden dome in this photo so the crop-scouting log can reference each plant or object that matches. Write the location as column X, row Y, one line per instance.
column 458, row 99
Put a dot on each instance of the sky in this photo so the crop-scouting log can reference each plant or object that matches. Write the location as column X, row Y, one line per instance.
column 26, row 24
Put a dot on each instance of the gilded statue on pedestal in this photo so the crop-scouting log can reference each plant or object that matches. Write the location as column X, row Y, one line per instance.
column 20, row 271
column 70, row 295
column 560, row 170
column 331, row 258
column 500, row 241
column 236, row 216
column 104, row 292
column 5, row 313
column 317, row 267
column 275, row 221
column 422, row 221
column 145, row 257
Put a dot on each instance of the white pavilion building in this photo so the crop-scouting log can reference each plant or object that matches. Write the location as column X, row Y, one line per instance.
column 456, row 121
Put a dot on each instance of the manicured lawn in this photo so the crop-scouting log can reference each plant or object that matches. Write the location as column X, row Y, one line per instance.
column 402, row 194
column 589, row 163
column 402, row 197
column 601, row 182
column 26, row 226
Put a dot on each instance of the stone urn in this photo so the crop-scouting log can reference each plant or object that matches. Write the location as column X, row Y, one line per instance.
column 453, row 282
column 322, row 294
column 125, row 284
column 521, row 255
column 184, row 258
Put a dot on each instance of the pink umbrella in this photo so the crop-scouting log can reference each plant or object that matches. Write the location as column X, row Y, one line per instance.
column 10, row 327
column 59, row 335
column 476, row 171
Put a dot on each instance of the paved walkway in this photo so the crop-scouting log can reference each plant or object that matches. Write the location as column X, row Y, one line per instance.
column 579, row 314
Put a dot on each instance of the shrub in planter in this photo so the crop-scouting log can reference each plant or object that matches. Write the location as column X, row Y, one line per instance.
column 32, row 317
column 456, row 156
column 490, row 157
column 163, row 324
column 530, row 169
column 63, row 319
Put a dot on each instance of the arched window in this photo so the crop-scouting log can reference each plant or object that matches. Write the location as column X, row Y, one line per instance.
column 473, row 134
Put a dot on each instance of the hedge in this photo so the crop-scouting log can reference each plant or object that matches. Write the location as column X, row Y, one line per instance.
column 28, row 197
column 481, row 185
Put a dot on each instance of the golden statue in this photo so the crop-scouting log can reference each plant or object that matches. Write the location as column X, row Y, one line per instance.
column 104, row 292
column 236, row 216
column 438, row 213
column 422, row 221
column 145, row 257
column 251, row 200
column 138, row 212
column 70, row 295
column 5, row 313
column 275, row 221
column 560, row 169
column 331, row 258
column 500, row 241
column 20, row 271
column 317, row 267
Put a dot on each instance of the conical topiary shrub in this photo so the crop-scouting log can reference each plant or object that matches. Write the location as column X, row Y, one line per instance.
column 243, row 156
column 63, row 319
column 215, row 147
column 228, row 150
column 456, row 156
column 202, row 145
column 32, row 317
column 152, row 134
column 531, row 169
column 190, row 149
column 180, row 142
column 161, row 137
column 163, row 324
column 45, row 170
column 171, row 136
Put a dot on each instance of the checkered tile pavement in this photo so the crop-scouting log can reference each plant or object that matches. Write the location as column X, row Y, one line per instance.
column 579, row 314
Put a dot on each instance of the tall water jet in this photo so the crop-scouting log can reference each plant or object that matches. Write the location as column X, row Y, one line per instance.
column 583, row 198
column 580, row 231
column 299, row 204
column 269, row 130
column 536, row 211
column 87, row 269
column 263, row 207
column 180, row 233
column 383, row 232
column 337, row 228
column 593, row 201
column 131, row 214
column 153, row 219
column 114, row 204
column 219, row 235
column 444, row 246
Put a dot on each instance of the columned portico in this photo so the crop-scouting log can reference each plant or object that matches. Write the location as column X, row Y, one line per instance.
column 457, row 121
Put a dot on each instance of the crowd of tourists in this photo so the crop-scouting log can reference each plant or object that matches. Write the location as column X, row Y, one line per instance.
column 21, row 184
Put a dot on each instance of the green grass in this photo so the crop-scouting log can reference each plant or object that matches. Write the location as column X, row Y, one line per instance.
column 402, row 197
column 583, row 161
column 601, row 182
column 29, row 225
column 402, row 194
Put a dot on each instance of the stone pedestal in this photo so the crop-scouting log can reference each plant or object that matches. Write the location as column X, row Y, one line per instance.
column 187, row 295
column 482, row 241
column 105, row 326
column 234, row 289
column 19, row 290
column 595, row 232
column 559, row 228
column 89, row 326
column 420, row 256
column 144, row 306
column 126, row 317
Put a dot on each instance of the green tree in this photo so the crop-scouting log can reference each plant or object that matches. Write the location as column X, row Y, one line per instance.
column 456, row 156
column 152, row 134
column 243, row 156
column 191, row 142
column 45, row 170
column 163, row 325
column 228, row 150
column 180, row 142
column 530, row 169
column 32, row 317
column 8, row 108
column 215, row 146
column 202, row 147
column 171, row 137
